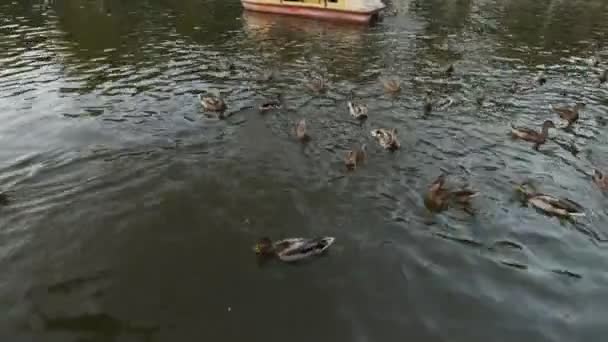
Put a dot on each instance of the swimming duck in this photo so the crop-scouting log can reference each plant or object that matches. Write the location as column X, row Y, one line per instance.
column 438, row 198
column 603, row 76
column 391, row 85
column 293, row 249
column 355, row 157
column 212, row 103
column 357, row 110
column 271, row 104
column 317, row 84
column 387, row 138
column 551, row 205
column 531, row 135
column 569, row 114
column 301, row 132
column 600, row 179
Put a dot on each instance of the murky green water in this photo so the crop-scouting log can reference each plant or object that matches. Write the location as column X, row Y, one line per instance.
column 133, row 215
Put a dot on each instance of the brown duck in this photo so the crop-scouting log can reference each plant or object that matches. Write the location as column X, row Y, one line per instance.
column 391, row 85
column 569, row 114
column 301, row 132
column 438, row 197
column 355, row 157
column 600, row 179
column 531, row 135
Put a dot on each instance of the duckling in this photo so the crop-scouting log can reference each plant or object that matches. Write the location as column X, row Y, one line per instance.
column 550, row 205
column 600, row 180
column 212, row 103
column 301, row 132
column 269, row 105
column 387, row 138
column 391, row 85
column 317, row 85
column 357, row 110
column 355, row 157
column 603, row 76
column 531, row 135
column 569, row 114
column 438, row 198
column 294, row 249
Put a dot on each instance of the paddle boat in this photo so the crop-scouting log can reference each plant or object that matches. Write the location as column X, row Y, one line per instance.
column 360, row 11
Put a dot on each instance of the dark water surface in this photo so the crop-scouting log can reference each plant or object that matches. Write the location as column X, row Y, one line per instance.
column 133, row 215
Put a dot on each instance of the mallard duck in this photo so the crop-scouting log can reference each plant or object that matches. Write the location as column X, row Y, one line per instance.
column 386, row 138
column 212, row 103
column 600, row 179
column 531, row 135
column 569, row 114
column 439, row 198
column 391, row 85
column 317, row 85
column 551, row 205
column 355, row 157
column 603, row 76
column 301, row 132
column 357, row 110
column 271, row 104
column 293, row 249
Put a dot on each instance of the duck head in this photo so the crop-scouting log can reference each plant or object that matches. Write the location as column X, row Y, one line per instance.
column 264, row 247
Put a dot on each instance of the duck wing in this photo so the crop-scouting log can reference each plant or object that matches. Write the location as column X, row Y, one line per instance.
column 525, row 133
column 299, row 248
column 561, row 206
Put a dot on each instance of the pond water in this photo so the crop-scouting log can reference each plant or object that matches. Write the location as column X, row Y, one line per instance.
column 132, row 214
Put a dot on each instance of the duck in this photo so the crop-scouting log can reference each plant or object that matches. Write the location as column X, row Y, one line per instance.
column 357, row 110
column 301, row 132
column 603, row 76
column 600, row 180
column 293, row 249
column 386, row 138
column 569, row 114
column 317, row 85
column 438, row 198
column 550, row 205
column 212, row 103
column 531, row 135
column 391, row 85
column 355, row 157
column 271, row 104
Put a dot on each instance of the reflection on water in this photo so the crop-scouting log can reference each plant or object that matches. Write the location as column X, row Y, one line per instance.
column 132, row 215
